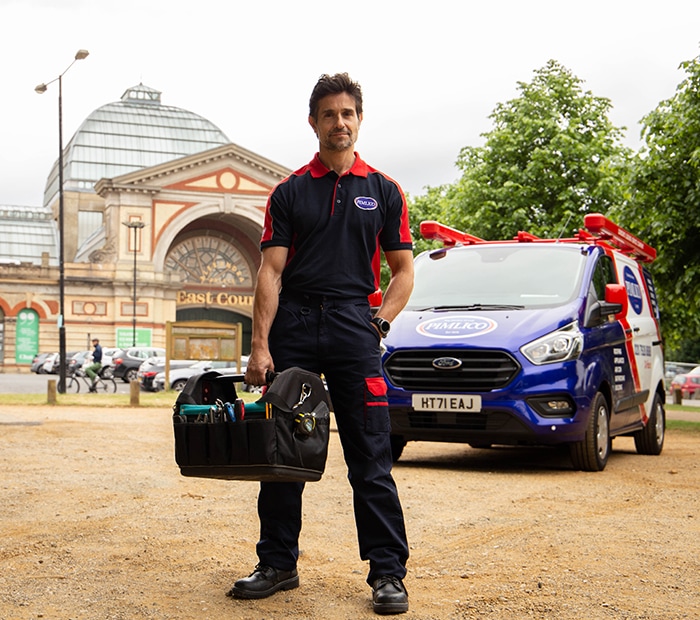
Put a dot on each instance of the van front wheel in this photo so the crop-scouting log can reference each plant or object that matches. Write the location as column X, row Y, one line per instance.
column 591, row 454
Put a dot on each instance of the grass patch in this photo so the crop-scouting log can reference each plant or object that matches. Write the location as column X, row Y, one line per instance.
column 671, row 407
column 146, row 399
column 683, row 425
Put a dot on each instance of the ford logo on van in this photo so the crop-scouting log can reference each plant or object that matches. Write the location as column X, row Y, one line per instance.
column 446, row 363
column 456, row 326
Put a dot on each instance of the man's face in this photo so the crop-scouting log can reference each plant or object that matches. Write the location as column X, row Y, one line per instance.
column 337, row 123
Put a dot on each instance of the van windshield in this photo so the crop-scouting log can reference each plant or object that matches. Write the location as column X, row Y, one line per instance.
column 497, row 277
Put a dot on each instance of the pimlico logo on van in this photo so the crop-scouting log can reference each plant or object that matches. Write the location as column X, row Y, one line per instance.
column 634, row 291
column 456, row 327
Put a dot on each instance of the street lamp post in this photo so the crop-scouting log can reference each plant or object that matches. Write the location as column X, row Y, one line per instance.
column 135, row 225
column 41, row 88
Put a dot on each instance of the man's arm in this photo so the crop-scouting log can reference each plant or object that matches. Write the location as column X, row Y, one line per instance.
column 265, row 302
column 400, row 286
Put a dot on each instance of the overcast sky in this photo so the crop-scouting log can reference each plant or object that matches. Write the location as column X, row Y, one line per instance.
column 431, row 72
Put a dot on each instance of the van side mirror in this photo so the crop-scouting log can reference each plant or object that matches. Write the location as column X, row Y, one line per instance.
column 614, row 304
column 616, row 301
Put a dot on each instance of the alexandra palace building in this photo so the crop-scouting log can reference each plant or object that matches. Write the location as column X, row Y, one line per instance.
column 153, row 195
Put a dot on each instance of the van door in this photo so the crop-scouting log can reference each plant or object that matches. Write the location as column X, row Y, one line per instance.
column 611, row 341
column 642, row 329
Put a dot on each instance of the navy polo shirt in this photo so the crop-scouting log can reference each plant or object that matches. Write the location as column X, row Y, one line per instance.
column 335, row 227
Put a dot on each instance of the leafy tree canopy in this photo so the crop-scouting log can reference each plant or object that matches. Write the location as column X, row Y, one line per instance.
column 665, row 203
column 551, row 157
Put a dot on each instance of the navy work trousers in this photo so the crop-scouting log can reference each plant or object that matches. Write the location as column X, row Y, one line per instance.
column 336, row 338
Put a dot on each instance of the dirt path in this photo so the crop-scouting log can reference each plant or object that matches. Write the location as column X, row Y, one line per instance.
column 97, row 524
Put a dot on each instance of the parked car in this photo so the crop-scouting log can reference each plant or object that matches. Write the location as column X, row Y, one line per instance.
column 671, row 369
column 48, row 365
column 38, row 363
column 126, row 362
column 107, row 354
column 77, row 361
column 178, row 377
column 689, row 385
column 51, row 364
column 151, row 367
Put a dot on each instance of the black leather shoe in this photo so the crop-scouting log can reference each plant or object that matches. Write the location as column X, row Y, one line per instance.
column 389, row 596
column 263, row 582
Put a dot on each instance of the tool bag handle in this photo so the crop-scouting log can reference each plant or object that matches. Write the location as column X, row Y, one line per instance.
column 295, row 389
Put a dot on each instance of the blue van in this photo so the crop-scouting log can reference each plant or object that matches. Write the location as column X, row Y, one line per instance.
column 530, row 341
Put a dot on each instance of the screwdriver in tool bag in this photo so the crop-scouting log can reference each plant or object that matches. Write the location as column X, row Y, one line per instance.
column 238, row 410
column 228, row 407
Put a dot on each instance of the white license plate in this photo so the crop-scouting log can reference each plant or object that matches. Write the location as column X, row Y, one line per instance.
column 466, row 403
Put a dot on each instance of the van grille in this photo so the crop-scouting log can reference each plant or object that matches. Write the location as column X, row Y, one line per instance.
column 480, row 371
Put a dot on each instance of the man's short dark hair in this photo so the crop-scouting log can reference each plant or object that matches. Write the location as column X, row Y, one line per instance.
column 95, row 339
column 334, row 85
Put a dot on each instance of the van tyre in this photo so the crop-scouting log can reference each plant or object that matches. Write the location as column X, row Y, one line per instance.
column 650, row 440
column 591, row 454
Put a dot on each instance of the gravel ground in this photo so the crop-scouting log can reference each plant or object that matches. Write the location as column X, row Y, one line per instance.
column 97, row 523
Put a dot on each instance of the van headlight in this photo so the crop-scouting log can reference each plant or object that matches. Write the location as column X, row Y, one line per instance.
column 559, row 346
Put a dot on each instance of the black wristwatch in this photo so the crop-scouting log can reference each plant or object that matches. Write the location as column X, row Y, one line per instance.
column 382, row 325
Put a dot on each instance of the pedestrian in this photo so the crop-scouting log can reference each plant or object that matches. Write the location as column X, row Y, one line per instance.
column 95, row 366
column 325, row 226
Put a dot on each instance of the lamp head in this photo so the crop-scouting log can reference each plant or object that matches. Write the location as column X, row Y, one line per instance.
column 41, row 89
column 81, row 54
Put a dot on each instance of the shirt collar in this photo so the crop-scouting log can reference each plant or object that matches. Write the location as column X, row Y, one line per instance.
column 318, row 168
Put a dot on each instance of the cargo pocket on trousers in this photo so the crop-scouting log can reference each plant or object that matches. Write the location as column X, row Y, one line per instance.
column 376, row 407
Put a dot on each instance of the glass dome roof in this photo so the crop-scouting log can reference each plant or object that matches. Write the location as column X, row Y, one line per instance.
column 133, row 133
column 26, row 233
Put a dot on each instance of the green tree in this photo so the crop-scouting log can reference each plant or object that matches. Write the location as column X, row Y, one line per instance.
column 551, row 157
column 665, row 203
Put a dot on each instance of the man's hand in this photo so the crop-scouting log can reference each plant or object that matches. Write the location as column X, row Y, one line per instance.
column 259, row 363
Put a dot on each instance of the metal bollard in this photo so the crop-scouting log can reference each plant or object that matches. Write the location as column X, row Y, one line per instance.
column 134, row 393
column 51, row 392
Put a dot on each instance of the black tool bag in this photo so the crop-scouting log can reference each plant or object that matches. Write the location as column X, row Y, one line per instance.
column 281, row 437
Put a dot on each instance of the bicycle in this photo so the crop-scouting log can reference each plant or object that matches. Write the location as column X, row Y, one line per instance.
column 104, row 385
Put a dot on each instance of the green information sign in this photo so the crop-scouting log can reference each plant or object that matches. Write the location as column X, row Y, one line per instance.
column 125, row 337
column 27, row 336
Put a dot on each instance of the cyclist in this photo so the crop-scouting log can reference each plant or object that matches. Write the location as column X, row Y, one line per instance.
column 93, row 370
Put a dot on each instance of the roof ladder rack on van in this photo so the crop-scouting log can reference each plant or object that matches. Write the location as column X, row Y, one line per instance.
column 600, row 231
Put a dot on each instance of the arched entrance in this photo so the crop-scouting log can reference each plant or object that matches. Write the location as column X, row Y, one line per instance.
column 214, row 261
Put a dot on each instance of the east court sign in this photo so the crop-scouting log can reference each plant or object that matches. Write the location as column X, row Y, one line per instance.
column 210, row 299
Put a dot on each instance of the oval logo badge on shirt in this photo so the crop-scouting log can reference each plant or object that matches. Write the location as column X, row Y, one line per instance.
column 366, row 203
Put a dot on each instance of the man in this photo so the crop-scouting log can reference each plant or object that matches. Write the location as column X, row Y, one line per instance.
column 94, row 368
column 324, row 228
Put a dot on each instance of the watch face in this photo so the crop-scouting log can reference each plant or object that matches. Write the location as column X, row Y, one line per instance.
column 383, row 325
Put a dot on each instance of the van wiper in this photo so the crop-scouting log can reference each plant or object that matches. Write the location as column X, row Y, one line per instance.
column 471, row 307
